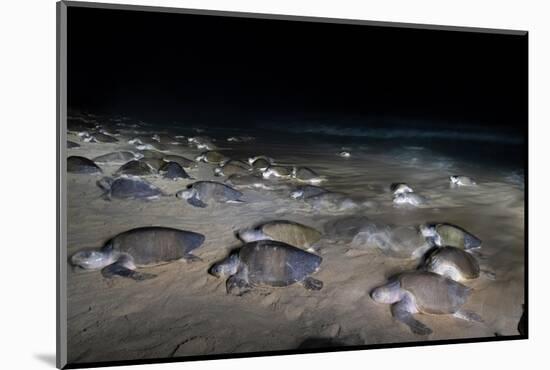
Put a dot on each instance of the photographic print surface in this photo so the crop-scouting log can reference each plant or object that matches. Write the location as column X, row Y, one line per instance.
column 244, row 185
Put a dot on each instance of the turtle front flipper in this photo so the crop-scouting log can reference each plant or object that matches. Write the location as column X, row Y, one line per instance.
column 468, row 316
column 402, row 312
column 196, row 202
column 312, row 284
column 117, row 269
column 237, row 285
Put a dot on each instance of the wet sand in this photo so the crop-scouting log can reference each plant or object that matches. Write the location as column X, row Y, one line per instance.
column 184, row 311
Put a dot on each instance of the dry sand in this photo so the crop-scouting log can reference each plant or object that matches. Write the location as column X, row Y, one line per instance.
column 185, row 311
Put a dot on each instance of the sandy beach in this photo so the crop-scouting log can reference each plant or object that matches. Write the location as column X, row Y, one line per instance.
column 184, row 311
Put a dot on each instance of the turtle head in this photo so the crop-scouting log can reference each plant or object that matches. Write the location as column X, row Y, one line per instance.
column 454, row 179
column 186, row 194
column 201, row 158
column 91, row 259
column 389, row 293
column 431, row 235
column 251, row 235
column 227, row 267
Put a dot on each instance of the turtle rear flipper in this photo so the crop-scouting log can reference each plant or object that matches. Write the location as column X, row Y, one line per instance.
column 236, row 285
column 117, row 269
column 401, row 311
column 196, row 202
column 312, row 284
column 468, row 316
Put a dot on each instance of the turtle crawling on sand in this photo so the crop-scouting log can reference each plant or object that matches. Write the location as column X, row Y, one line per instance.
column 233, row 167
column 408, row 198
column 306, row 191
column 136, row 168
column 444, row 234
column 212, row 157
column 278, row 172
column 173, row 171
column 400, row 188
column 260, row 163
column 117, row 157
column 289, row 232
column 128, row 188
column 305, row 174
column 82, row 165
column 145, row 246
column 182, row 161
column 424, row 292
column 268, row 263
column 452, row 262
column 200, row 193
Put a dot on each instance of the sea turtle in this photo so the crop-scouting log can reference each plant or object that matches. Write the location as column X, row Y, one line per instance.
column 154, row 147
column 145, row 246
column 346, row 228
column 344, row 154
column 232, row 168
column 305, row 174
column 211, row 157
column 397, row 241
column 444, row 234
column 72, row 145
column 154, row 162
column 289, row 232
column 306, row 191
column 136, row 168
column 462, row 181
column 152, row 154
column 400, row 188
column 128, row 188
column 99, row 137
column 268, row 263
column 412, row 199
column 277, row 172
column 331, row 201
column 424, row 292
column 81, row 165
column 452, row 262
column 260, row 163
column 117, row 157
column 251, row 181
column 201, row 142
column 182, row 161
column 172, row 170
column 200, row 193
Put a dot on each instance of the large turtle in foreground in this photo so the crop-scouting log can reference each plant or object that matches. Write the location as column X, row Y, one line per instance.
column 284, row 231
column 145, row 246
column 424, row 292
column 268, row 263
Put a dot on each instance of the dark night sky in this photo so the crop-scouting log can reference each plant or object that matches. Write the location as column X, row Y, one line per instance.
column 235, row 70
